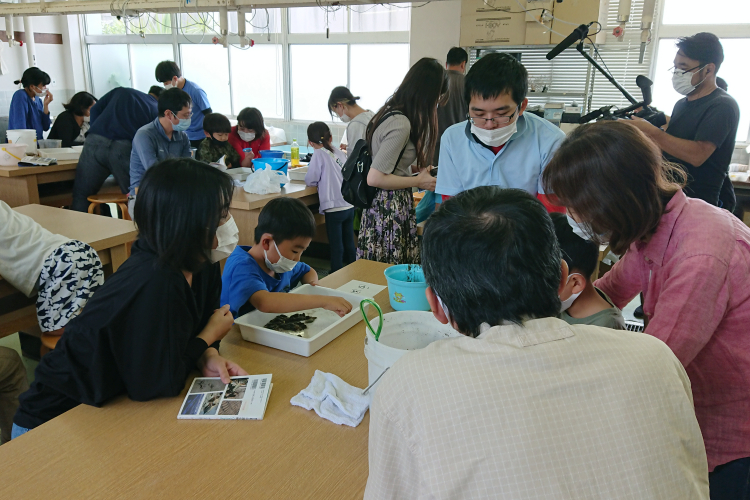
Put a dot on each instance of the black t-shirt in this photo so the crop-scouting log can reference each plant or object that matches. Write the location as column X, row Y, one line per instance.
column 713, row 118
column 137, row 335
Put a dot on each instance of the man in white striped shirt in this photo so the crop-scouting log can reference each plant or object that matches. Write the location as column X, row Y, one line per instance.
column 525, row 406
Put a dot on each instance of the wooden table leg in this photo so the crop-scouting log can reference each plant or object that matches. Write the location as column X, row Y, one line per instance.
column 118, row 254
column 19, row 191
column 247, row 221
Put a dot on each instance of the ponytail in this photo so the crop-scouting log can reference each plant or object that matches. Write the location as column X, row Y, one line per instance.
column 33, row 76
column 319, row 133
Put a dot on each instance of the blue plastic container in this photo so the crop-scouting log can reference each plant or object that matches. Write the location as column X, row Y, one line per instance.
column 406, row 288
column 269, row 153
column 276, row 164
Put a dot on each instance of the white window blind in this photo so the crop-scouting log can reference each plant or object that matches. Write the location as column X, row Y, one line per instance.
column 568, row 77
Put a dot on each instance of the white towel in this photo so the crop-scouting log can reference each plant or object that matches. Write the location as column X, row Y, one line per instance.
column 334, row 399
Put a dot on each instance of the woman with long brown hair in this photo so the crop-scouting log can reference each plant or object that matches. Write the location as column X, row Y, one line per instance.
column 403, row 132
column 690, row 259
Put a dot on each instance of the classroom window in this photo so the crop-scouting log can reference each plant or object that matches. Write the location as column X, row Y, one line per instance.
column 310, row 95
column 263, row 21
column 207, row 66
column 109, row 67
column 699, row 12
column 364, row 57
column 316, row 20
column 257, row 80
column 734, row 70
column 104, row 24
column 144, row 59
column 392, row 17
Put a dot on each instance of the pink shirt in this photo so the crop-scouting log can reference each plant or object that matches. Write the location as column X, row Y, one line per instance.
column 694, row 276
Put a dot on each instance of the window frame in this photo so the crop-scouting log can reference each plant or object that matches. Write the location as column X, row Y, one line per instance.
column 285, row 39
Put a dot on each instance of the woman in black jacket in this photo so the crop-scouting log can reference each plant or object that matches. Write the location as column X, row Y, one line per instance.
column 158, row 317
column 73, row 123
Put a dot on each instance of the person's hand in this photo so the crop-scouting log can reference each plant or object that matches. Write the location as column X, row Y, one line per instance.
column 314, row 283
column 426, row 181
column 218, row 325
column 48, row 98
column 247, row 162
column 339, row 305
column 642, row 125
column 342, row 147
column 213, row 365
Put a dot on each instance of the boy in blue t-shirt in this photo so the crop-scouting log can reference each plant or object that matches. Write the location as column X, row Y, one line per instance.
column 259, row 277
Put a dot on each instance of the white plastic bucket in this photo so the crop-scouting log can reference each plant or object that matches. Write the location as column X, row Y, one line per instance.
column 23, row 136
column 10, row 154
column 402, row 331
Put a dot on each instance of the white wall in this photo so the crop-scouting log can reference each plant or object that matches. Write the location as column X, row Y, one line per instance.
column 435, row 28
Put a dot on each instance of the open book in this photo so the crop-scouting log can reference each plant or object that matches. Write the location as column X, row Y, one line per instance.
column 243, row 398
column 36, row 161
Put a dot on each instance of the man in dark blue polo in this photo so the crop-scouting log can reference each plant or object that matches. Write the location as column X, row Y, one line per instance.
column 115, row 118
column 163, row 138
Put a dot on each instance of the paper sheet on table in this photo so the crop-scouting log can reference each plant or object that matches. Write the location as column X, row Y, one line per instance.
column 362, row 288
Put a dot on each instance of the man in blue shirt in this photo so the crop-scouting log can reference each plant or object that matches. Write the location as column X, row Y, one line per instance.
column 499, row 145
column 161, row 139
column 169, row 74
column 115, row 118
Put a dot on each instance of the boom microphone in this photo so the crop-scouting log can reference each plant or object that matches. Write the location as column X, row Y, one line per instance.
column 579, row 33
column 645, row 85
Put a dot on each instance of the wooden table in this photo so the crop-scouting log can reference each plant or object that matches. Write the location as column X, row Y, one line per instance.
column 140, row 450
column 20, row 185
column 246, row 207
column 109, row 237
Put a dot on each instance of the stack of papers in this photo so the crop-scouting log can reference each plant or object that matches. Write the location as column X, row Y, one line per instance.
column 244, row 398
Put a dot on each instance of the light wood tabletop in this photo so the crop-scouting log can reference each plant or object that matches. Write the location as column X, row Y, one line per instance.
column 140, row 450
column 246, row 207
column 20, row 185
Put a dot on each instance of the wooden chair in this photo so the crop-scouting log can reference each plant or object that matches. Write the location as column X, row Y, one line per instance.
column 121, row 200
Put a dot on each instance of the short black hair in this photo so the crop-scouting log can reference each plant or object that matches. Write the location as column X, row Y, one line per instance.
column 252, row 118
column 156, row 90
column 285, row 219
column 166, row 70
column 502, row 262
column 495, row 74
column 216, row 123
column 341, row 94
column 702, row 47
column 456, row 56
column 79, row 103
column 580, row 254
column 173, row 100
column 179, row 205
column 722, row 84
column 33, row 76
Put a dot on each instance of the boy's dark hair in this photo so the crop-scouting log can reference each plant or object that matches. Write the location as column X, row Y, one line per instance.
column 456, row 56
column 252, row 118
column 179, row 206
column 79, row 103
column 319, row 133
column 341, row 94
column 156, row 90
column 285, row 219
column 492, row 256
column 581, row 255
column 173, row 100
column 216, row 123
column 33, row 76
column 702, row 47
column 166, row 70
column 495, row 74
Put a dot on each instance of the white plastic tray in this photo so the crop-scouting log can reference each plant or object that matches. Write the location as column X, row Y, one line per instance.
column 323, row 330
column 298, row 174
column 60, row 153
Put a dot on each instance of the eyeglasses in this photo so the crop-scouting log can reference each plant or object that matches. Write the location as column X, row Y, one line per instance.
column 676, row 71
column 498, row 120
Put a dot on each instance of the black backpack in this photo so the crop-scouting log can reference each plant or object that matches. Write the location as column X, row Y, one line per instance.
column 354, row 188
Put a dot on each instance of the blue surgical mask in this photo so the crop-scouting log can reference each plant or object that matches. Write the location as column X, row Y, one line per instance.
column 183, row 125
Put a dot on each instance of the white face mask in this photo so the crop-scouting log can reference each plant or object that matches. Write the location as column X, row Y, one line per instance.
column 682, row 82
column 565, row 304
column 283, row 265
column 170, row 85
column 495, row 137
column 246, row 136
column 87, row 119
column 228, row 235
column 584, row 231
column 444, row 307
column 40, row 93
column 344, row 118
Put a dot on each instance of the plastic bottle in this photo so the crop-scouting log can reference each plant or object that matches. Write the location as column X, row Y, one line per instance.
column 295, row 153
